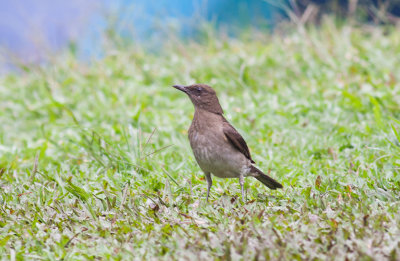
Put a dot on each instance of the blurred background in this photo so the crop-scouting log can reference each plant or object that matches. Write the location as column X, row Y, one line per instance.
column 32, row 31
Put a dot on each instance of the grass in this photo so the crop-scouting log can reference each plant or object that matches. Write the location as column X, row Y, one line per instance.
column 95, row 162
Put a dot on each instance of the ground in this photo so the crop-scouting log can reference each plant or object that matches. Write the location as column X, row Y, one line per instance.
column 95, row 162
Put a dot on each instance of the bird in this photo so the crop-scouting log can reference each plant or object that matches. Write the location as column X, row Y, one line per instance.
column 218, row 147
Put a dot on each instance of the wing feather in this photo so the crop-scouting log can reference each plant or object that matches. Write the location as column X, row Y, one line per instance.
column 236, row 139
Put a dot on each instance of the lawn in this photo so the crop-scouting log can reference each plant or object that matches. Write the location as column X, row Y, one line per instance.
column 95, row 162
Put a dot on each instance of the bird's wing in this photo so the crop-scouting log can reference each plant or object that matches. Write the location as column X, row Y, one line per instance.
column 236, row 139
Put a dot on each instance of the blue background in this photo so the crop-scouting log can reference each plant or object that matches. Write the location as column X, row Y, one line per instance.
column 30, row 30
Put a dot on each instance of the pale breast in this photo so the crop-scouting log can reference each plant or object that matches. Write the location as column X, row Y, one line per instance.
column 215, row 154
column 202, row 147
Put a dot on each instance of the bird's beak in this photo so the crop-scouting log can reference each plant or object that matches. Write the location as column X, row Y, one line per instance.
column 180, row 87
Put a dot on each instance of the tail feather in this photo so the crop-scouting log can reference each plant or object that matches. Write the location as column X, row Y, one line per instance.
column 265, row 179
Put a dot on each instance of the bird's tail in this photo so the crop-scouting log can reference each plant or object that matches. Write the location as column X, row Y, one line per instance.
column 265, row 179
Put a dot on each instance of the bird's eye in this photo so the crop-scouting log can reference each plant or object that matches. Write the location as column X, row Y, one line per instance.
column 199, row 90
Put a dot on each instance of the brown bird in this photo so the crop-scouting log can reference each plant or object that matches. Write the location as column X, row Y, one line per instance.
column 217, row 146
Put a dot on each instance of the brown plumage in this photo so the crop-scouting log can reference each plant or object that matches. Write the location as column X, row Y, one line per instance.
column 217, row 146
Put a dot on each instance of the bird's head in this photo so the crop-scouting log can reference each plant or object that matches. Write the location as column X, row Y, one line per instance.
column 202, row 96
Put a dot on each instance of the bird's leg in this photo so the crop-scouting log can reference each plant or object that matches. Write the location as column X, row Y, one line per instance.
column 209, row 183
column 241, row 181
